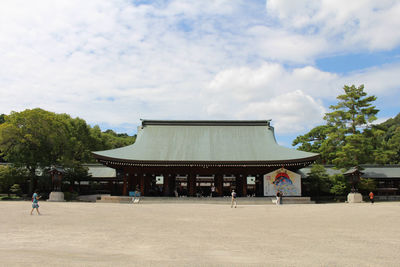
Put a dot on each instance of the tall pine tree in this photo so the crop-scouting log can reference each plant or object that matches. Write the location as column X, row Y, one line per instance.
column 342, row 142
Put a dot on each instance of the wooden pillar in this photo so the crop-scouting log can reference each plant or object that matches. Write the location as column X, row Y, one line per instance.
column 166, row 185
column 147, row 183
column 130, row 181
column 110, row 186
column 191, row 184
column 244, row 185
column 219, row 184
column 135, row 181
column 239, row 182
column 259, row 185
column 125, row 185
column 142, row 184
column 172, row 182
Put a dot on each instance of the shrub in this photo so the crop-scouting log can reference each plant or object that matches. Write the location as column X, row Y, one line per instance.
column 68, row 196
column 16, row 189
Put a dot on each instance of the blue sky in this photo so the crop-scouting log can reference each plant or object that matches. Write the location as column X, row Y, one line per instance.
column 113, row 62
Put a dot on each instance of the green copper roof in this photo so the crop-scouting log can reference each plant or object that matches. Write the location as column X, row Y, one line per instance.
column 224, row 141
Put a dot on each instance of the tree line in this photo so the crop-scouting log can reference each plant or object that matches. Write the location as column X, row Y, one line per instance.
column 35, row 139
column 347, row 139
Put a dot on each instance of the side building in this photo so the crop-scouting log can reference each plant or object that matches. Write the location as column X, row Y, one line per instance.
column 207, row 158
column 386, row 177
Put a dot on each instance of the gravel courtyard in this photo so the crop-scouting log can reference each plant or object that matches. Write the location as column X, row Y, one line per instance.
column 103, row 234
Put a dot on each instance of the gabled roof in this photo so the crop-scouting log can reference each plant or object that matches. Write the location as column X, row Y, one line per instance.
column 330, row 170
column 381, row 171
column 100, row 171
column 353, row 171
column 205, row 141
column 368, row 171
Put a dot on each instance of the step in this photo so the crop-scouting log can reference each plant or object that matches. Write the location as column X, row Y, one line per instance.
column 206, row 200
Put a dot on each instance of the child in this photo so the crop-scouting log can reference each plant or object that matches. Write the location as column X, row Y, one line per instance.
column 35, row 204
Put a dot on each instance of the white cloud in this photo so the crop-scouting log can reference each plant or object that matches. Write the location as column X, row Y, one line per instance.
column 285, row 46
column 347, row 25
column 293, row 99
column 114, row 62
column 273, row 79
column 382, row 81
column 291, row 112
column 270, row 92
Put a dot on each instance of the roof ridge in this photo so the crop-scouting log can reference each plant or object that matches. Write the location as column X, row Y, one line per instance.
column 207, row 122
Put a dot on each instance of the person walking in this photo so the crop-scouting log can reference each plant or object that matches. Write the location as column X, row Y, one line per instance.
column 136, row 197
column 176, row 194
column 233, row 199
column 371, row 197
column 35, row 202
column 278, row 198
column 212, row 191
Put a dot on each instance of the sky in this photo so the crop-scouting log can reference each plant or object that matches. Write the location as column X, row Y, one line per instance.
column 114, row 62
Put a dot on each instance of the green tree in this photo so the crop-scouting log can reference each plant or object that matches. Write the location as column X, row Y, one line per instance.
column 2, row 120
column 33, row 139
column 367, row 185
column 75, row 174
column 317, row 182
column 354, row 150
column 341, row 141
column 339, row 185
column 353, row 113
column 394, row 146
column 79, row 143
column 376, row 141
column 313, row 141
column 389, row 147
column 354, row 110
column 109, row 139
column 37, row 139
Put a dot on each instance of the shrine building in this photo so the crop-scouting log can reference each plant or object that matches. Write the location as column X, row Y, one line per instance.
column 193, row 158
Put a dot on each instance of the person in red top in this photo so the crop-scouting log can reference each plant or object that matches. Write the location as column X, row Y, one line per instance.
column 371, row 197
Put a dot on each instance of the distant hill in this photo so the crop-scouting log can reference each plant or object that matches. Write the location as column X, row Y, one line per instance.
column 391, row 122
column 390, row 126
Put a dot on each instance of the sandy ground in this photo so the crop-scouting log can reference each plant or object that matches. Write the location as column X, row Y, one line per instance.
column 102, row 234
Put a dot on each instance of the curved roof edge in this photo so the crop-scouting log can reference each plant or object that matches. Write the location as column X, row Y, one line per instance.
column 111, row 160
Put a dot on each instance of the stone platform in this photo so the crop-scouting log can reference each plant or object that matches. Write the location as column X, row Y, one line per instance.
column 354, row 198
column 56, row 197
column 206, row 200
